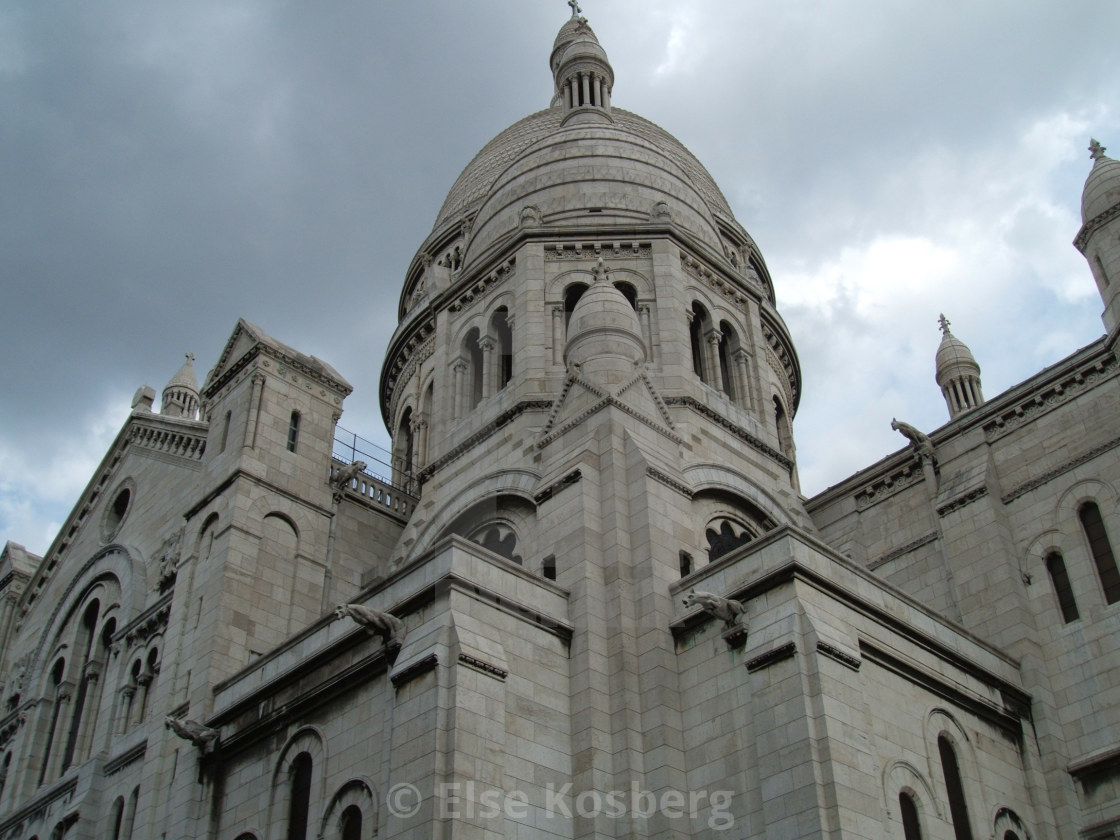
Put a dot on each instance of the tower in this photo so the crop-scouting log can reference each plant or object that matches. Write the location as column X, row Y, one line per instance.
column 957, row 374
column 1099, row 237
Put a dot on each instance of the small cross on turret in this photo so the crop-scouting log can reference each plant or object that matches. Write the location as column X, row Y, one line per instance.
column 944, row 322
column 576, row 10
column 1096, row 150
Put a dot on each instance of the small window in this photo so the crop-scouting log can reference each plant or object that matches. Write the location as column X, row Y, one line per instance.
column 1056, row 566
column 911, row 828
column 548, row 567
column 293, row 431
column 351, row 823
column 299, row 804
column 225, row 431
column 958, row 809
column 115, row 513
column 686, row 563
column 1101, row 550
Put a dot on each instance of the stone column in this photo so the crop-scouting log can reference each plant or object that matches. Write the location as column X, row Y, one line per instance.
column 254, row 411
column 647, row 333
column 713, row 340
column 124, row 707
column 64, row 695
column 742, row 377
column 595, row 98
column 585, row 83
column 489, row 376
column 460, row 396
column 558, row 335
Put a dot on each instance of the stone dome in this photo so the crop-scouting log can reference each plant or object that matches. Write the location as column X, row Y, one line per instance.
column 604, row 334
column 480, row 175
column 954, row 358
column 1102, row 187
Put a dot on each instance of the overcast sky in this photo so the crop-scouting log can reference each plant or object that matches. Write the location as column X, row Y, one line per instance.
column 166, row 167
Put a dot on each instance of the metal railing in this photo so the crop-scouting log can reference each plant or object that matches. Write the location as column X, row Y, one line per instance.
column 380, row 462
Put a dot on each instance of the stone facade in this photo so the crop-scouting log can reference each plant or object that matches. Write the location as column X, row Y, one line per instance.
column 590, row 600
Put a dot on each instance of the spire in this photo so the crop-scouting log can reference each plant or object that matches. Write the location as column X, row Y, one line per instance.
column 180, row 394
column 957, row 374
column 582, row 74
column 1099, row 237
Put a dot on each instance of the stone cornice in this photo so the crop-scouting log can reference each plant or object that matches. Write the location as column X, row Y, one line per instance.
column 1093, row 225
column 490, row 429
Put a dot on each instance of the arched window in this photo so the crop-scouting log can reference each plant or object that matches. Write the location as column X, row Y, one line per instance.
column 299, row 799
column 1101, row 550
column 405, row 455
column 572, row 294
column 116, row 818
column 225, row 431
column 685, row 563
column 83, row 647
column 4, row 773
column 57, row 697
column 725, row 535
column 697, row 326
column 958, row 808
column 130, row 814
column 293, row 431
column 1056, row 567
column 473, row 352
column 351, row 823
column 503, row 335
column 911, row 828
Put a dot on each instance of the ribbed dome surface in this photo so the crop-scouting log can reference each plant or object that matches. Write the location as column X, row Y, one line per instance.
column 185, row 377
column 604, row 334
column 1102, row 188
column 954, row 358
column 480, row 175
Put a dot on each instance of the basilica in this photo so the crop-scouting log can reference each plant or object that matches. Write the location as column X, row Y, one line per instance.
column 585, row 597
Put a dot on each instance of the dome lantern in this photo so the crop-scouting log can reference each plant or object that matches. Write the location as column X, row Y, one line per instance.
column 180, row 395
column 1099, row 237
column 582, row 74
column 958, row 374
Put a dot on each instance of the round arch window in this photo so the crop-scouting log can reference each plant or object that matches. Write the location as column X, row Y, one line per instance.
column 117, row 510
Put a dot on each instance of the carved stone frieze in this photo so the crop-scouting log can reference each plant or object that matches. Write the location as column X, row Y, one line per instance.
column 886, row 486
column 592, row 250
column 962, row 501
column 713, row 280
column 1050, row 397
column 483, row 285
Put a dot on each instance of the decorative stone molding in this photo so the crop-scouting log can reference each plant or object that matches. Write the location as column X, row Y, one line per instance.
column 888, row 485
column 784, row 356
column 1050, row 397
column 727, row 425
column 669, row 482
column 415, row 352
column 548, row 492
column 484, row 667
column 1050, row 475
column 499, row 275
column 130, row 756
column 503, row 419
column 580, row 251
column 962, row 501
column 833, row 652
column 147, row 624
column 902, row 550
column 714, row 280
column 1081, row 241
column 9, row 726
column 414, row 670
column 166, row 439
column 772, row 657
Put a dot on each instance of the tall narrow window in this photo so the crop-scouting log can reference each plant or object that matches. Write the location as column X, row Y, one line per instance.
column 1056, row 567
column 4, row 772
column 686, row 563
column 781, row 423
column 548, row 567
column 299, row 803
column 351, row 823
column 117, row 818
column 293, row 431
column 1101, row 549
column 695, row 337
column 958, row 809
column 225, row 431
column 57, row 698
column 911, row 828
column 504, row 336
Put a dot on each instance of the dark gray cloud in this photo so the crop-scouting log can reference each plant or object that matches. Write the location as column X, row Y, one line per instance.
column 169, row 167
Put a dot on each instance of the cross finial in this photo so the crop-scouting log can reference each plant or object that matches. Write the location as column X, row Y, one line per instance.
column 576, row 10
column 944, row 322
column 1096, row 150
column 190, row 357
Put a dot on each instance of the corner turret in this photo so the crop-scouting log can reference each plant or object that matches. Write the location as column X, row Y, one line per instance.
column 1099, row 237
column 180, row 395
